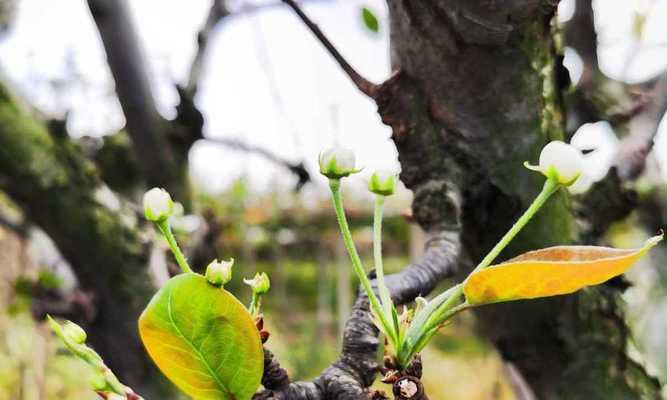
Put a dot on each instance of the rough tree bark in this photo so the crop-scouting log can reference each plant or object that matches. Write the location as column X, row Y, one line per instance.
column 476, row 91
column 58, row 190
column 485, row 78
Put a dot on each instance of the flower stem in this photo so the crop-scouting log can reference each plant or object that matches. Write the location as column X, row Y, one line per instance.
column 255, row 304
column 334, row 185
column 173, row 245
column 441, row 314
column 550, row 187
column 377, row 258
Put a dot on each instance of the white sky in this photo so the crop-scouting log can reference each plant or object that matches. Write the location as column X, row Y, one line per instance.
column 54, row 45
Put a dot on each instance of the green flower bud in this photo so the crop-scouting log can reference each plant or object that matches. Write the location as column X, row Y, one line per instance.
column 74, row 333
column 337, row 162
column 382, row 183
column 158, row 205
column 219, row 273
column 260, row 284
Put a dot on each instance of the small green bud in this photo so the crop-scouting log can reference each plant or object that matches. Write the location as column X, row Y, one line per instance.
column 337, row 162
column 260, row 284
column 382, row 183
column 158, row 205
column 219, row 273
column 74, row 333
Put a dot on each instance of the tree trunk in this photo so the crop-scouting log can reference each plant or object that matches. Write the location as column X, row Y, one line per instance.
column 479, row 94
column 58, row 190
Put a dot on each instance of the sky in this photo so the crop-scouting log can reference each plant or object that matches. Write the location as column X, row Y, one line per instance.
column 266, row 80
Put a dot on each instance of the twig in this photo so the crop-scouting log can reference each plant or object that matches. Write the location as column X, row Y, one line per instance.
column 364, row 85
column 643, row 128
column 216, row 14
column 297, row 169
column 126, row 62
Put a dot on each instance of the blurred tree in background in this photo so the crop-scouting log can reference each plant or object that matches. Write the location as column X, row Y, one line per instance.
column 478, row 87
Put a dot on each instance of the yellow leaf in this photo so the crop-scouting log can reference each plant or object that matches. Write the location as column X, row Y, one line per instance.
column 550, row 272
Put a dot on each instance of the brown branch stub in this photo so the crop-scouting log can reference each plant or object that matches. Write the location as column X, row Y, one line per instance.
column 364, row 85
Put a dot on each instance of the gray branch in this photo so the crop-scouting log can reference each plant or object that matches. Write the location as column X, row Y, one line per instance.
column 127, row 64
column 349, row 377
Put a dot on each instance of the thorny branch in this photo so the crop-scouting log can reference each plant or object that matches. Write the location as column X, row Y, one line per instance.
column 349, row 377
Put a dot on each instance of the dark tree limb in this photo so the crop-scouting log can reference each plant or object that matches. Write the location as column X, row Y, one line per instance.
column 349, row 377
column 126, row 62
column 298, row 169
column 216, row 14
column 363, row 84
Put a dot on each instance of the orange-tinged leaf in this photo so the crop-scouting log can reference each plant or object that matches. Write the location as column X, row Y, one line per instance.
column 550, row 272
column 203, row 339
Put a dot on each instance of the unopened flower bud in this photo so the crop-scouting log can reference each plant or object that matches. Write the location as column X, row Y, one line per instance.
column 219, row 272
column 74, row 333
column 560, row 161
column 382, row 183
column 158, row 205
column 260, row 284
column 337, row 162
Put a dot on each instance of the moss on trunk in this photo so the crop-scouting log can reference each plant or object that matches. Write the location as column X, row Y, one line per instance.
column 58, row 189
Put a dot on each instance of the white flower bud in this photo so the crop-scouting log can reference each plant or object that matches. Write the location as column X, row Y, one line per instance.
column 260, row 284
column 219, row 272
column 74, row 333
column 158, row 205
column 563, row 160
column 383, row 183
column 337, row 162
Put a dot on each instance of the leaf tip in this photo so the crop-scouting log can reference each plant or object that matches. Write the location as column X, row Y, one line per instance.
column 655, row 240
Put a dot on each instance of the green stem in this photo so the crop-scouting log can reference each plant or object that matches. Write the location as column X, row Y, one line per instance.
column 385, row 297
column 442, row 313
column 255, row 304
column 334, row 185
column 550, row 187
column 173, row 245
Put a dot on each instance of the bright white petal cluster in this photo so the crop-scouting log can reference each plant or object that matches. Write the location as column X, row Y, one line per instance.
column 219, row 272
column 563, row 160
column 337, row 162
column 567, row 161
column 602, row 145
column 158, row 205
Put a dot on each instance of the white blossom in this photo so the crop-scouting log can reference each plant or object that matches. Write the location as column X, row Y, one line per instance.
column 158, row 205
column 337, row 162
column 219, row 272
column 565, row 160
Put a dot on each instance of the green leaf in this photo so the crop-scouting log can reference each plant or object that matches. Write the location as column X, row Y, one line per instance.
column 203, row 339
column 370, row 20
